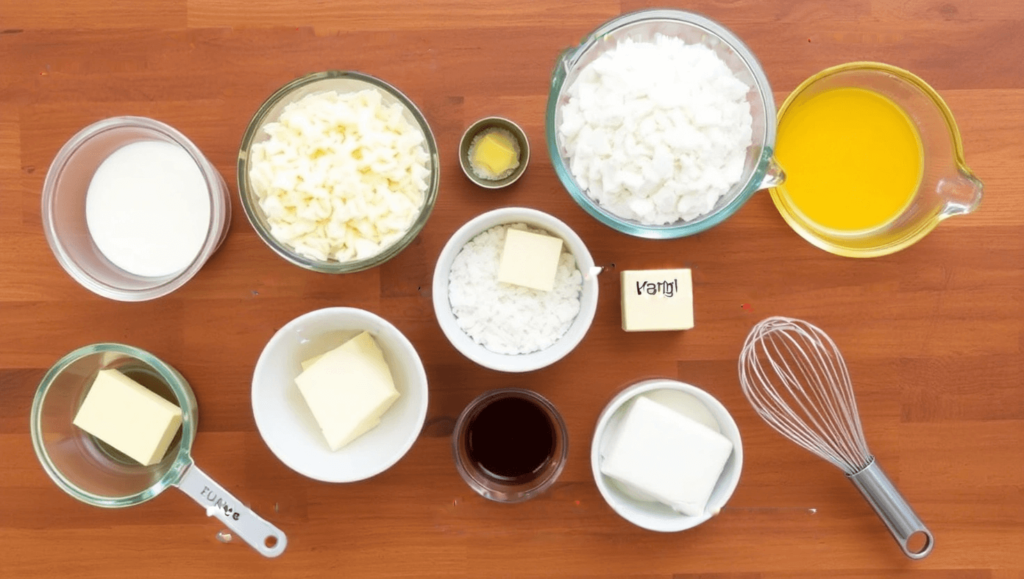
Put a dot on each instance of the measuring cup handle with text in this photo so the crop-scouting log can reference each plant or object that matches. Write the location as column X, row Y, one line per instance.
column 218, row 502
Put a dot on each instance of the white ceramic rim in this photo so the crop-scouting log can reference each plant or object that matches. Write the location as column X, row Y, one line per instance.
column 505, row 362
column 262, row 418
column 717, row 409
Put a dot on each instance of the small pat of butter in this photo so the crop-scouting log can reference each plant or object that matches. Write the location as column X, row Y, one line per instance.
column 495, row 152
column 348, row 389
column 664, row 454
column 129, row 417
column 657, row 299
column 529, row 260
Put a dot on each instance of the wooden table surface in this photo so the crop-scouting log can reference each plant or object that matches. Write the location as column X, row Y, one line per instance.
column 932, row 335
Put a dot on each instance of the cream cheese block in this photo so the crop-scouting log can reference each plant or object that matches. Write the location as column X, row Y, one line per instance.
column 129, row 417
column 348, row 389
column 667, row 456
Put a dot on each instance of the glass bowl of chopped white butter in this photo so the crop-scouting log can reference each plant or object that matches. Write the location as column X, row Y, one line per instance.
column 338, row 171
column 661, row 124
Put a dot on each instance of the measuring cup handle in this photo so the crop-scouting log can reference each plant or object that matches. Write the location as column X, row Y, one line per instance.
column 774, row 175
column 893, row 509
column 218, row 502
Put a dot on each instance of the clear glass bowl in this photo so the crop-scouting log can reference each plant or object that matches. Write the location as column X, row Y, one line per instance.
column 759, row 171
column 509, row 491
column 270, row 111
column 64, row 219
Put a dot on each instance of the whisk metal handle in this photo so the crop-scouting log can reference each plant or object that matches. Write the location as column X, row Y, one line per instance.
column 892, row 508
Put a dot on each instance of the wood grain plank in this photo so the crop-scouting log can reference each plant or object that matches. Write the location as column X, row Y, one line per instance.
column 17, row 16
column 932, row 335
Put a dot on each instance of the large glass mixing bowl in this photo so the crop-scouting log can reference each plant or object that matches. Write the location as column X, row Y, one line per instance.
column 760, row 171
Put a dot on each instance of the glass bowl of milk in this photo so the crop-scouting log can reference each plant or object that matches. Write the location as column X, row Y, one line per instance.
column 132, row 209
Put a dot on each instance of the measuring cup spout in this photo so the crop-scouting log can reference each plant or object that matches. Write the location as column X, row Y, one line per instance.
column 218, row 502
column 962, row 192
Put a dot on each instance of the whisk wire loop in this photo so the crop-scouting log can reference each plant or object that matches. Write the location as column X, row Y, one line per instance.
column 797, row 381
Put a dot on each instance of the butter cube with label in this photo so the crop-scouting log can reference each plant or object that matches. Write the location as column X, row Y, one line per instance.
column 667, row 456
column 657, row 299
column 129, row 417
column 529, row 259
column 348, row 389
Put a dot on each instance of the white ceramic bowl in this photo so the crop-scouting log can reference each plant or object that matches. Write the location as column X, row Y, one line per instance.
column 477, row 352
column 285, row 421
column 653, row 515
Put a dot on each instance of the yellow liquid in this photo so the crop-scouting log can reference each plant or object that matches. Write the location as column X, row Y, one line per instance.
column 853, row 159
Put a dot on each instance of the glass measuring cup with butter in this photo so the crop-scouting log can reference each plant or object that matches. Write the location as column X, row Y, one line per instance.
column 77, row 441
column 873, row 160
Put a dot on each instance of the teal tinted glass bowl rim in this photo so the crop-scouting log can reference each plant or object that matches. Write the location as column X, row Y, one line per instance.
column 571, row 56
column 175, row 381
column 255, row 214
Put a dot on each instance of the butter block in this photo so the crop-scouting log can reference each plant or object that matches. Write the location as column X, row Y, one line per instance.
column 495, row 152
column 307, row 363
column 657, row 299
column 348, row 389
column 667, row 456
column 129, row 417
column 529, row 259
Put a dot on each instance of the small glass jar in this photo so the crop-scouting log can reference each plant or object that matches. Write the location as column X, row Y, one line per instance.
column 509, row 489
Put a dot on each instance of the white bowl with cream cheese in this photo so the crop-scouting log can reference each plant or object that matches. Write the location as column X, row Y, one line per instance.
column 693, row 403
column 289, row 428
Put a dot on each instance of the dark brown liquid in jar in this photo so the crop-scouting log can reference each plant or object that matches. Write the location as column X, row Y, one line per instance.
column 510, row 440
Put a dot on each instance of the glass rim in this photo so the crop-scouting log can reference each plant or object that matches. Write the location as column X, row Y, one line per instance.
column 558, row 457
column 684, row 228
column 175, row 381
column 218, row 207
column 255, row 214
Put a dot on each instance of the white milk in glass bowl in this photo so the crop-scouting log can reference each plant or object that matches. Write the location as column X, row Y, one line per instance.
column 132, row 209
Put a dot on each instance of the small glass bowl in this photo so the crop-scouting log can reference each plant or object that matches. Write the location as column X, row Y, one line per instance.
column 270, row 111
column 760, row 170
column 509, row 492
column 64, row 218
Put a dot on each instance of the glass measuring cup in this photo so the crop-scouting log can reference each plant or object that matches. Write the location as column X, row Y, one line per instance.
column 760, row 170
column 97, row 474
column 947, row 186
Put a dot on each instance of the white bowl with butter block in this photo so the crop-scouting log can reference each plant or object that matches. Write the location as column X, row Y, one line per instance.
column 698, row 475
column 548, row 225
column 339, row 394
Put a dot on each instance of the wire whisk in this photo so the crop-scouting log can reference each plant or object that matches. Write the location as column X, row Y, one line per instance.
column 796, row 379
